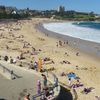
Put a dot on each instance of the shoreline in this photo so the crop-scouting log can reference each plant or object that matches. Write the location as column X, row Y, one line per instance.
column 89, row 57
column 89, row 47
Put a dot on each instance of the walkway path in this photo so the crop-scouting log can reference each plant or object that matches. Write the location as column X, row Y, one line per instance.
column 17, row 88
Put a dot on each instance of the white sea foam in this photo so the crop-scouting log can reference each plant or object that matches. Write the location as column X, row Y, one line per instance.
column 69, row 29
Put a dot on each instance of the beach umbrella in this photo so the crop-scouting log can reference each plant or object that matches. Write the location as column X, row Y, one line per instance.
column 39, row 64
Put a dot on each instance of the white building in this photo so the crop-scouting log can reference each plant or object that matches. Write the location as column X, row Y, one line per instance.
column 61, row 9
column 14, row 12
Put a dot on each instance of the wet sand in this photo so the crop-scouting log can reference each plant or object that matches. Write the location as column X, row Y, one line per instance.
column 89, row 47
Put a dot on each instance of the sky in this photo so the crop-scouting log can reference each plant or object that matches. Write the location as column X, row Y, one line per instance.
column 77, row 5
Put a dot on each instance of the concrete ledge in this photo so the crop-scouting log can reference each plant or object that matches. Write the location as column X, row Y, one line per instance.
column 4, row 71
column 5, row 74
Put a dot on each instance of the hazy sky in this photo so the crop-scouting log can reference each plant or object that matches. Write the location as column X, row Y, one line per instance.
column 78, row 5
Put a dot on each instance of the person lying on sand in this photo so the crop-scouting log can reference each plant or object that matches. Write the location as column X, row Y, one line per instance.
column 63, row 74
column 65, row 62
column 46, row 59
column 78, row 84
column 87, row 90
column 66, row 53
column 21, row 56
column 97, row 97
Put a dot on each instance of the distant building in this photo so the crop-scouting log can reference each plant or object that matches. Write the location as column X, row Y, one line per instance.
column 2, row 9
column 14, row 12
column 10, row 10
column 61, row 9
column 97, row 16
column 24, row 11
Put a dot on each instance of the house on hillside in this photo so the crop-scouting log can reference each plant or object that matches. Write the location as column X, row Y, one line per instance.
column 2, row 9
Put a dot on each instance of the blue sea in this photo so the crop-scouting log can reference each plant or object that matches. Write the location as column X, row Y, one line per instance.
column 89, row 31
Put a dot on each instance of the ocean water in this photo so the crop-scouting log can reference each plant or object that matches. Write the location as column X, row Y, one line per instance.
column 89, row 31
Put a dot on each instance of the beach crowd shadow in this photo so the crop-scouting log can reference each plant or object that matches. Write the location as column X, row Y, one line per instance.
column 2, row 99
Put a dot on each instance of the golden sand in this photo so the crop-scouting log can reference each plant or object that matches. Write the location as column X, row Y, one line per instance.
column 15, row 35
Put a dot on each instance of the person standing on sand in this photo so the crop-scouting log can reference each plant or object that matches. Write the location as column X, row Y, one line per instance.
column 69, row 82
column 57, row 44
column 44, row 80
column 38, row 87
column 54, row 76
column 56, row 83
column 35, row 66
column 12, row 74
column 6, row 58
column 60, row 43
column 67, row 42
column 64, row 43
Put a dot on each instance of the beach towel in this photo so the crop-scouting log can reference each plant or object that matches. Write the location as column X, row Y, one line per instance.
column 71, row 75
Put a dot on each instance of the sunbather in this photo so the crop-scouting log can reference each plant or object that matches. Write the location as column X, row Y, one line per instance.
column 87, row 90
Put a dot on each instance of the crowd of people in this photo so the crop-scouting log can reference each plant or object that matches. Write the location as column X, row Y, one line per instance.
column 44, row 91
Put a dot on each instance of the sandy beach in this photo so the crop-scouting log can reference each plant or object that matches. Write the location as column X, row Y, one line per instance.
column 24, row 36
